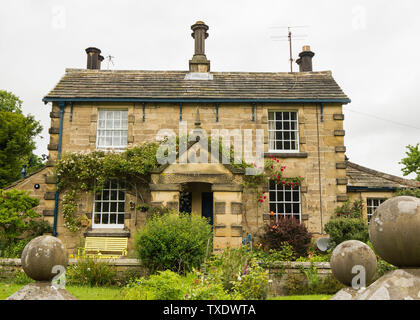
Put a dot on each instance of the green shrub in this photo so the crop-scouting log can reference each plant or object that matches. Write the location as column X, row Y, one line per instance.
column 253, row 283
column 287, row 230
column 166, row 285
column 238, row 272
column 413, row 192
column 348, row 223
column 90, row 272
column 227, row 266
column 20, row 277
column 284, row 253
column 350, row 209
column 312, row 283
column 174, row 241
column 205, row 290
column 343, row 229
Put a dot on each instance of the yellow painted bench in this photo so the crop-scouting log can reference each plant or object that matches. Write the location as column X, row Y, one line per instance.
column 104, row 248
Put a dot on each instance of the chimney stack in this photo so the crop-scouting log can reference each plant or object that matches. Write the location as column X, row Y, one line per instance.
column 305, row 59
column 199, row 62
column 94, row 58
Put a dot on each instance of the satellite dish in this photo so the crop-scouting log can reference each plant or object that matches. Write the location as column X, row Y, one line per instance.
column 323, row 244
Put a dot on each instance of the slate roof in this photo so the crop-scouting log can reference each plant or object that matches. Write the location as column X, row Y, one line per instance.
column 360, row 177
column 90, row 84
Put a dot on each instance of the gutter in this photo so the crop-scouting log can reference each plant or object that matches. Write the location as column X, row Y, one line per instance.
column 62, row 106
column 195, row 100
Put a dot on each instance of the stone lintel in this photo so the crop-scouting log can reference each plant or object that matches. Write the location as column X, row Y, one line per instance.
column 340, row 149
column 227, row 187
column 338, row 116
column 164, row 187
column 54, row 114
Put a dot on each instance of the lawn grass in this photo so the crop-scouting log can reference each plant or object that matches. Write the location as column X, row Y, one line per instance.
column 7, row 289
column 81, row 293
column 305, row 297
column 114, row 293
column 95, row 293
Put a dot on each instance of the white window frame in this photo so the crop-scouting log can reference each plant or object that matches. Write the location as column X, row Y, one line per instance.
column 103, row 130
column 108, row 188
column 370, row 206
column 296, row 131
column 284, row 190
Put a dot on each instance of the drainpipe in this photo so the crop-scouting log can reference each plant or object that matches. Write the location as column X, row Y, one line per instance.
column 319, row 164
column 62, row 105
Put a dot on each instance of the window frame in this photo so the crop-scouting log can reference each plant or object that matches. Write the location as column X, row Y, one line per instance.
column 272, row 201
column 381, row 200
column 109, row 201
column 297, row 131
column 105, row 148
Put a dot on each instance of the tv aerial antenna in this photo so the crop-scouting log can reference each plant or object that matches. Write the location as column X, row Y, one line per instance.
column 290, row 37
column 109, row 60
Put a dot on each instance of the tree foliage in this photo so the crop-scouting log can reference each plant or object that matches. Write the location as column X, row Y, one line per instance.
column 17, row 132
column 412, row 161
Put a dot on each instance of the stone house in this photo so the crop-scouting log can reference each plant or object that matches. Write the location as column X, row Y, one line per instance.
column 300, row 114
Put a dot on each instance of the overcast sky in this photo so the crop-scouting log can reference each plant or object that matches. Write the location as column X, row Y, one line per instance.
column 372, row 48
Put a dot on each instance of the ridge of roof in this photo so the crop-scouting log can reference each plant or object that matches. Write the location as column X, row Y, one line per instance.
column 322, row 72
column 383, row 175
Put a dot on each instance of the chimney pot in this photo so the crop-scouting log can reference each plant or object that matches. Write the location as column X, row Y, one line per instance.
column 94, row 58
column 199, row 62
column 305, row 59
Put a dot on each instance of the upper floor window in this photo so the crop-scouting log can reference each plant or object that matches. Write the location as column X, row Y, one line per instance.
column 109, row 206
column 112, row 129
column 285, row 201
column 372, row 204
column 283, row 131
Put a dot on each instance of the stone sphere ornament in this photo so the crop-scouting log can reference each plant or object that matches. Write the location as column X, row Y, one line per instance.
column 394, row 231
column 349, row 254
column 40, row 256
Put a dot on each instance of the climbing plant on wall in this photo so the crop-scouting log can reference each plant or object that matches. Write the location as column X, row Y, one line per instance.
column 273, row 171
column 88, row 172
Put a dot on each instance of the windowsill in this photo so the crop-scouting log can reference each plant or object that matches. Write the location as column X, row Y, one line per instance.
column 282, row 154
column 107, row 232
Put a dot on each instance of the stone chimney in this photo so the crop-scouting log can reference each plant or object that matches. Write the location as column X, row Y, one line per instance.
column 199, row 62
column 94, row 58
column 305, row 59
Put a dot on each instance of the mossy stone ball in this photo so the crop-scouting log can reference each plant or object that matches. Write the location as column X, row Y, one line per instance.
column 394, row 231
column 40, row 256
column 349, row 254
